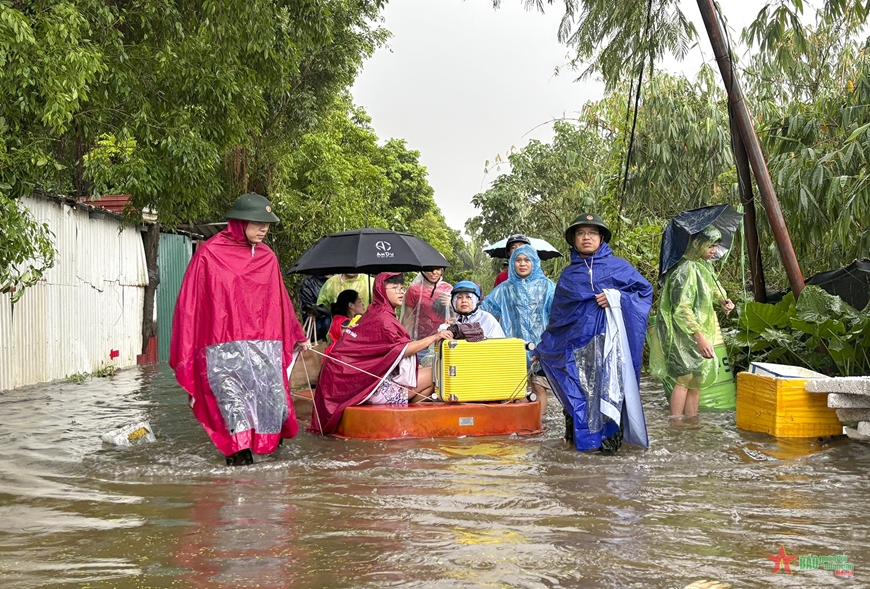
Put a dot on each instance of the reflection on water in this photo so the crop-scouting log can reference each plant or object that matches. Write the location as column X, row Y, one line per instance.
column 705, row 502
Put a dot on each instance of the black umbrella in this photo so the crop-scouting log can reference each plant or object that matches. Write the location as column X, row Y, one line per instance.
column 852, row 283
column 681, row 228
column 368, row 251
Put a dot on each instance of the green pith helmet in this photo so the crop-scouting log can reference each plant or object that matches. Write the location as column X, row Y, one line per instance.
column 253, row 207
column 587, row 219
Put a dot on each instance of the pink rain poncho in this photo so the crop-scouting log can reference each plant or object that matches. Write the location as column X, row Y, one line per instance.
column 233, row 337
column 368, row 353
column 426, row 307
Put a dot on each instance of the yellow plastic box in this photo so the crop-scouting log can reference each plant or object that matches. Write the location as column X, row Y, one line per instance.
column 783, row 408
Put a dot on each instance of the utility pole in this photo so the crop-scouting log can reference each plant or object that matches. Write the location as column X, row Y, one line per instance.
column 750, row 226
column 743, row 122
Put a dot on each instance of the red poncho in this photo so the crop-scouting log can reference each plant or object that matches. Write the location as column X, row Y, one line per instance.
column 233, row 337
column 376, row 345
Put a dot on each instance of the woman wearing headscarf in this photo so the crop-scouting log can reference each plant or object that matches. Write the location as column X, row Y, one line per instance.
column 234, row 334
column 592, row 349
column 522, row 305
column 686, row 324
column 374, row 361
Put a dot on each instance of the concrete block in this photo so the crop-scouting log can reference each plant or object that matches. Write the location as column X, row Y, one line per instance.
column 853, row 414
column 853, row 385
column 853, row 434
column 864, row 428
column 842, row 401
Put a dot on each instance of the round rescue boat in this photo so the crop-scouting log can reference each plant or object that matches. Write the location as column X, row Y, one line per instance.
column 436, row 420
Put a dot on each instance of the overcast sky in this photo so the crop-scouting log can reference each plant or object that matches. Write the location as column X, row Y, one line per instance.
column 462, row 83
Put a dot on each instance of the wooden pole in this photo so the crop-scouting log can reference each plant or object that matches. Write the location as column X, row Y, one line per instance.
column 743, row 122
column 750, row 227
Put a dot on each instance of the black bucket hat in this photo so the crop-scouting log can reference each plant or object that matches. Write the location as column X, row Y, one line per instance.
column 587, row 219
column 516, row 238
column 253, row 207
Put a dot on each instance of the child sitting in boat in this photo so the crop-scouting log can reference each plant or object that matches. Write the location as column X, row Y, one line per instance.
column 374, row 361
column 346, row 311
column 465, row 301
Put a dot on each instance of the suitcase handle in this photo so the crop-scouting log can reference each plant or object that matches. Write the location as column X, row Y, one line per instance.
column 436, row 371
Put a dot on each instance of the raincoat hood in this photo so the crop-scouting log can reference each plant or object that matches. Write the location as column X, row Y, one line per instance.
column 425, row 306
column 380, row 300
column 522, row 305
column 532, row 255
column 700, row 242
column 367, row 353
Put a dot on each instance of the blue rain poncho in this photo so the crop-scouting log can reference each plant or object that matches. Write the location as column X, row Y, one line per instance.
column 522, row 305
column 686, row 307
column 595, row 370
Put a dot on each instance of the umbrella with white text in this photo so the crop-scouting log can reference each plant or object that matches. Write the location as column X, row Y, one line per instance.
column 368, row 251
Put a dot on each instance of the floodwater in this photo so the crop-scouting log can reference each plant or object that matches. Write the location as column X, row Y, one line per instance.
column 704, row 502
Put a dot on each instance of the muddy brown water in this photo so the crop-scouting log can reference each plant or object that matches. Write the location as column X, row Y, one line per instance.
column 704, row 502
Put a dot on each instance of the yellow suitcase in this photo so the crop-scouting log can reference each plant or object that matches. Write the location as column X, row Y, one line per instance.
column 491, row 370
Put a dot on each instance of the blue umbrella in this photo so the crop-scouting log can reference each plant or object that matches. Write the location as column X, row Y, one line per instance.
column 545, row 250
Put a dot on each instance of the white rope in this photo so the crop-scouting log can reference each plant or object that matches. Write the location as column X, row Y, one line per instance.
column 589, row 268
column 409, row 391
column 308, row 378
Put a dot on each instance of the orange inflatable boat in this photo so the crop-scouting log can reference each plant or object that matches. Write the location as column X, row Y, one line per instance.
column 435, row 420
column 485, row 386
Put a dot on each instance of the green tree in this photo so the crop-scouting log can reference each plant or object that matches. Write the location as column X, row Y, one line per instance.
column 339, row 178
column 26, row 250
column 163, row 101
column 182, row 105
column 681, row 159
column 812, row 83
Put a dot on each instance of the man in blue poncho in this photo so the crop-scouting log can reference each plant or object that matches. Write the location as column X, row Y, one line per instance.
column 592, row 348
column 522, row 303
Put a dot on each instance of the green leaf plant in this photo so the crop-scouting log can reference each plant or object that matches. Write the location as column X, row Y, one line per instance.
column 818, row 331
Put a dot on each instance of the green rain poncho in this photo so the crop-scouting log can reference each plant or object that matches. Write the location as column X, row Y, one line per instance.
column 334, row 286
column 686, row 307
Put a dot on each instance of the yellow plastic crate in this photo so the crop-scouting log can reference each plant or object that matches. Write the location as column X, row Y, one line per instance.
column 783, row 408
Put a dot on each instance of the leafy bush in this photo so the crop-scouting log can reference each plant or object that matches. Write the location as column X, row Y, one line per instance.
column 818, row 331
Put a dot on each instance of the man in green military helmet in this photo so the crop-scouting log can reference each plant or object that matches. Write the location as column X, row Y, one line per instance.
column 235, row 337
column 257, row 210
column 592, row 349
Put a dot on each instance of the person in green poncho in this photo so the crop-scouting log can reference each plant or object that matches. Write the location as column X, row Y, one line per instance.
column 341, row 282
column 686, row 323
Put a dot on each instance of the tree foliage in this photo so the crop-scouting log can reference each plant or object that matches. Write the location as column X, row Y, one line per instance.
column 168, row 102
column 806, row 84
column 811, row 83
column 339, row 178
column 681, row 159
column 187, row 105
column 25, row 248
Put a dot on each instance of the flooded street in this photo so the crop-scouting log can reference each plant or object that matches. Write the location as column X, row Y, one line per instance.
column 704, row 502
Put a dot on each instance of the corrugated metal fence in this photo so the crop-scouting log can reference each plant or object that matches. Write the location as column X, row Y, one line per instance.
column 88, row 307
column 172, row 258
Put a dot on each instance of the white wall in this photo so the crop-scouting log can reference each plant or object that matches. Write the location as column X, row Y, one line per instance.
column 89, row 304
